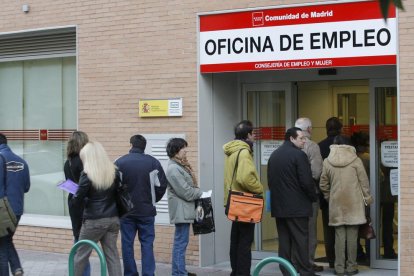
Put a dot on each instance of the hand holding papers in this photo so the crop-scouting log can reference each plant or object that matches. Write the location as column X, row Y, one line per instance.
column 68, row 186
column 206, row 194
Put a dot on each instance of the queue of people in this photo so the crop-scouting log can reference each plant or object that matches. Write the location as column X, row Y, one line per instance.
column 302, row 176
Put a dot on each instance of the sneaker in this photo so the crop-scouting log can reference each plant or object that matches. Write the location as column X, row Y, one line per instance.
column 191, row 274
column 317, row 268
column 18, row 272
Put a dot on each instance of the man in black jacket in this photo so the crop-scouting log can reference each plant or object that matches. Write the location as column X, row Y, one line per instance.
column 292, row 193
column 146, row 183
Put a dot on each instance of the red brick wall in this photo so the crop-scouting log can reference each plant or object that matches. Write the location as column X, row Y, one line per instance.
column 406, row 85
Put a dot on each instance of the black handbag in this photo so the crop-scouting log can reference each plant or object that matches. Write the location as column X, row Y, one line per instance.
column 123, row 198
column 8, row 220
column 204, row 221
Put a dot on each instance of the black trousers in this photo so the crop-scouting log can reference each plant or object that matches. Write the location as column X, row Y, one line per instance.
column 294, row 244
column 387, row 229
column 328, row 235
column 241, row 239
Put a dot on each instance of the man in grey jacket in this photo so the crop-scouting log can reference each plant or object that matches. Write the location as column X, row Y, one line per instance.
column 315, row 159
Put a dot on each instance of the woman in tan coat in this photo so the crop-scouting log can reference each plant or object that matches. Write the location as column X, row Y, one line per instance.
column 344, row 184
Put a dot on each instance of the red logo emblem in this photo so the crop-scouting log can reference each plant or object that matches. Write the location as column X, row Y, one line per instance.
column 258, row 18
column 43, row 134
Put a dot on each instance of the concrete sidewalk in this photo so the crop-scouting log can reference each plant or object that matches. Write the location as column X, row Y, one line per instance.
column 37, row 263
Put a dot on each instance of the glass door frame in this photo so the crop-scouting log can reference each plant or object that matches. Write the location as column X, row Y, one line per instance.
column 290, row 117
column 376, row 210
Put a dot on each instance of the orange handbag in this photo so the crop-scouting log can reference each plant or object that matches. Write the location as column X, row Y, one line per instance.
column 242, row 206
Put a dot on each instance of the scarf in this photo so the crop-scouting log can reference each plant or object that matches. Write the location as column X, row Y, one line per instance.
column 186, row 165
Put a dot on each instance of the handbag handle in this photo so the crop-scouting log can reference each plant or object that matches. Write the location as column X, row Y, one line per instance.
column 362, row 194
column 235, row 168
column 5, row 174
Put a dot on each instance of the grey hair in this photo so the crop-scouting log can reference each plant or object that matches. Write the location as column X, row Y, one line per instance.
column 303, row 123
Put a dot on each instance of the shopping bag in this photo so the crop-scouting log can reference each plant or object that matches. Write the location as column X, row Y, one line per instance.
column 204, row 221
column 8, row 220
column 244, row 207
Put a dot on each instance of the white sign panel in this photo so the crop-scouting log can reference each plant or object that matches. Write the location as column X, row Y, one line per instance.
column 330, row 35
column 266, row 149
column 389, row 154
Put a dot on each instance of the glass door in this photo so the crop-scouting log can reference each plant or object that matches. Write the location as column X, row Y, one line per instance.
column 384, row 141
column 269, row 107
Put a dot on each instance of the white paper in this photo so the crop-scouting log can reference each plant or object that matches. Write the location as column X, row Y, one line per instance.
column 155, row 182
column 206, row 194
column 394, row 182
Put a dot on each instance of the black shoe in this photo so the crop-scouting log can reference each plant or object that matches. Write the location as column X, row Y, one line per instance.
column 356, row 271
column 191, row 274
column 361, row 258
column 390, row 256
column 317, row 268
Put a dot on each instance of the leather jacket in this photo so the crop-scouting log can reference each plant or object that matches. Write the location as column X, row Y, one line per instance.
column 98, row 203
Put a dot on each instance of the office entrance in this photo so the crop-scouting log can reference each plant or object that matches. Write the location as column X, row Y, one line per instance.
column 367, row 106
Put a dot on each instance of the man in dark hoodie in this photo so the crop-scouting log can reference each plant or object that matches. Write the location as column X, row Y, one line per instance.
column 15, row 181
column 292, row 192
column 146, row 183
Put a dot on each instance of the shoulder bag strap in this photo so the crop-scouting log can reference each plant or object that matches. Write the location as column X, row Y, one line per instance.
column 362, row 194
column 5, row 174
column 235, row 168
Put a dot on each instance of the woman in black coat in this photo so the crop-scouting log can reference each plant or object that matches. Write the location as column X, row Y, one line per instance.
column 73, row 168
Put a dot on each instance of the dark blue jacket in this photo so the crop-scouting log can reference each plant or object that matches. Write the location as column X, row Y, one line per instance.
column 136, row 168
column 18, row 179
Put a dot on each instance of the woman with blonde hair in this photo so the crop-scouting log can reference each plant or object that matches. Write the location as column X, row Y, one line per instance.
column 98, row 184
column 73, row 168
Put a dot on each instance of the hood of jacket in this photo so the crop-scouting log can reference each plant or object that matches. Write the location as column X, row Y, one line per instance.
column 341, row 155
column 234, row 146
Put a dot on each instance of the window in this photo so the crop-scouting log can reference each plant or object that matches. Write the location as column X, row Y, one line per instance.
column 38, row 107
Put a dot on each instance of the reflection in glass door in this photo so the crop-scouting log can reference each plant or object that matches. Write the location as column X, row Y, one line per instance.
column 267, row 106
column 386, row 149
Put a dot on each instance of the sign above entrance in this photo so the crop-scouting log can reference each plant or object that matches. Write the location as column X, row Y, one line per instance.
column 317, row 36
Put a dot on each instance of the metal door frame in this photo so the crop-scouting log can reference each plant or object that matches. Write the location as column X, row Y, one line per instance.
column 290, row 117
column 375, row 212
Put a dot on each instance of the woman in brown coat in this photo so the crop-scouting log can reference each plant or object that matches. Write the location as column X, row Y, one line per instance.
column 344, row 184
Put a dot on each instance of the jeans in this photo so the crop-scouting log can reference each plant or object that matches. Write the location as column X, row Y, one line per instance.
column 87, row 271
column 8, row 254
column 104, row 230
column 181, row 237
column 241, row 239
column 146, row 235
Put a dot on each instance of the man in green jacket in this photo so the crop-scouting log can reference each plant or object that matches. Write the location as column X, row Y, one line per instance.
column 245, row 179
